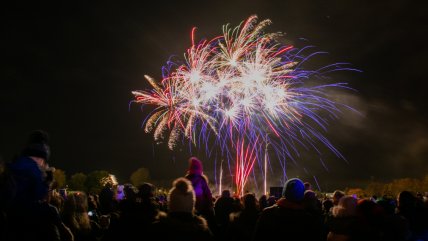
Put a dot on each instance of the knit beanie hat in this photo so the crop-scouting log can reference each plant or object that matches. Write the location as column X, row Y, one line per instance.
column 181, row 197
column 294, row 190
column 195, row 166
column 37, row 145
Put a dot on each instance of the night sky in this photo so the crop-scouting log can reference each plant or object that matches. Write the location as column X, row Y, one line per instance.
column 69, row 68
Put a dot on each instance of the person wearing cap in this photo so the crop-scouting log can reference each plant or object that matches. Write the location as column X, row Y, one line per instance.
column 287, row 219
column 30, row 170
column 29, row 215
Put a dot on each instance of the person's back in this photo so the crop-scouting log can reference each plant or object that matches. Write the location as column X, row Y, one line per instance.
column 76, row 217
column 182, row 226
column 135, row 217
column 204, row 205
column 107, row 199
column 181, row 223
column 344, row 224
column 394, row 227
column 243, row 223
column 203, row 194
column 149, row 208
column 223, row 207
column 410, row 208
column 288, row 220
column 204, row 202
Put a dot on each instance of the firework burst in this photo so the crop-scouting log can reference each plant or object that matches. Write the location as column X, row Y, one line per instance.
column 245, row 90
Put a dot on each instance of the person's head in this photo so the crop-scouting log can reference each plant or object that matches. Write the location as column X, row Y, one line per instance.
column 327, row 205
column 37, row 147
column 337, row 195
column 310, row 195
column 181, row 197
column 92, row 202
column 130, row 192
column 387, row 204
column 346, row 207
column 146, row 191
column 308, row 186
column 293, row 190
column 368, row 208
column 405, row 200
column 195, row 166
column 225, row 193
column 249, row 201
column 77, row 202
column 310, row 200
column 75, row 211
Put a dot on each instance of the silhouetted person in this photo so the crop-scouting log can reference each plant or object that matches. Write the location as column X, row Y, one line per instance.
column 394, row 227
column 337, row 195
column 308, row 186
column 344, row 223
column 181, row 223
column 412, row 209
column 107, row 199
column 288, row 220
column 243, row 223
column 263, row 203
column 204, row 200
column 149, row 206
column 223, row 207
column 138, row 210
column 29, row 215
column 76, row 217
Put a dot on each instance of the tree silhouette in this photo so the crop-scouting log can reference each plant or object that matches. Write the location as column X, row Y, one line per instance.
column 140, row 176
column 59, row 178
column 77, row 182
column 94, row 181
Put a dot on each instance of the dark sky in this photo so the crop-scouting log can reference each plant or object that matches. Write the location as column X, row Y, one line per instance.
column 69, row 68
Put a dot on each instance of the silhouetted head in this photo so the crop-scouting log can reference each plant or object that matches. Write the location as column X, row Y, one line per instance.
column 181, row 197
column 195, row 166
column 37, row 145
column 406, row 200
column 346, row 207
column 249, row 201
column 225, row 193
column 294, row 190
column 146, row 190
column 337, row 195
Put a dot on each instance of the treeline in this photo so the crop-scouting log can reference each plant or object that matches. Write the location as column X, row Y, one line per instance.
column 94, row 181
column 392, row 188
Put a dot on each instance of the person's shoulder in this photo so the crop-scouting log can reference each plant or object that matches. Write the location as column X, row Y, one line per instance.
column 161, row 215
column 195, row 177
column 273, row 208
column 189, row 176
column 270, row 211
column 25, row 166
column 234, row 216
column 201, row 222
column 205, row 177
column 22, row 162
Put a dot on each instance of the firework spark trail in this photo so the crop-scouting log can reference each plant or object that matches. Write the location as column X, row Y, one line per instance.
column 245, row 160
column 236, row 88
